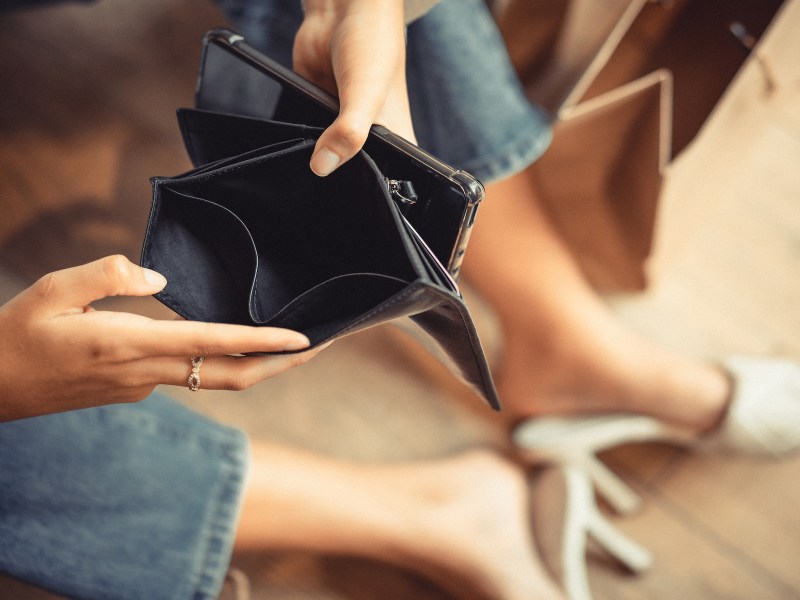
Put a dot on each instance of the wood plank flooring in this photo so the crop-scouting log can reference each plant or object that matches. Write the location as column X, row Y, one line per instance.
column 87, row 115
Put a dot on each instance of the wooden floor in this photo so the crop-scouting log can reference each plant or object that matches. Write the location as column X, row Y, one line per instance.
column 86, row 116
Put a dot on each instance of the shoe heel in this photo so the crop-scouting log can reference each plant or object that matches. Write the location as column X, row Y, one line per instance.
column 635, row 557
column 583, row 519
column 622, row 499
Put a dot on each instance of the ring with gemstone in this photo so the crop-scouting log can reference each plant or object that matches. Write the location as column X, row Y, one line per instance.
column 194, row 378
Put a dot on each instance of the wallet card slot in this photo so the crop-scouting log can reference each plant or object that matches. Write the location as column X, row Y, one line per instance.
column 210, row 136
column 257, row 153
column 332, row 305
column 207, row 255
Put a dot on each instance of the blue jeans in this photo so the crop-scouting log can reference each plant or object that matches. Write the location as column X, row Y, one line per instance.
column 134, row 501
column 467, row 104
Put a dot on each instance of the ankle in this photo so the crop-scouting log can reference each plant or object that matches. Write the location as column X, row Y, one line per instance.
column 559, row 373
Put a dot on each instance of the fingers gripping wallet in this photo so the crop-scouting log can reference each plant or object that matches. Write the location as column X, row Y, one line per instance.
column 252, row 236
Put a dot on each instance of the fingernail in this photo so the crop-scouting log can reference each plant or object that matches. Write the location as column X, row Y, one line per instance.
column 297, row 343
column 155, row 279
column 324, row 162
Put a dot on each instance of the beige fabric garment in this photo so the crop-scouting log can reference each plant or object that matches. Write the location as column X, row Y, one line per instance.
column 414, row 9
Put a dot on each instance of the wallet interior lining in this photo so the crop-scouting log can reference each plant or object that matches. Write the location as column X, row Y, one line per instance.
column 314, row 250
column 207, row 253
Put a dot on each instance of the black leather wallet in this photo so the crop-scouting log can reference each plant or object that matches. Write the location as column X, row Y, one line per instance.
column 252, row 236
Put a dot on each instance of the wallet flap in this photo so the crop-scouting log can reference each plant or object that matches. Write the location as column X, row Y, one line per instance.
column 450, row 325
column 210, row 136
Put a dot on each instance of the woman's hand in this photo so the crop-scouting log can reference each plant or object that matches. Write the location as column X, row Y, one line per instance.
column 356, row 50
column 57, row 353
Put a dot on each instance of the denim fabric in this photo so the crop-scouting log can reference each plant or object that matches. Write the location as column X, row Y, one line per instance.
column 468, row 106
column 121, row 502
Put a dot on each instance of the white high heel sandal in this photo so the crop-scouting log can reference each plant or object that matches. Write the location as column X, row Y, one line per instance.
column 574, row 443
column 762, row 419
column 582, row 521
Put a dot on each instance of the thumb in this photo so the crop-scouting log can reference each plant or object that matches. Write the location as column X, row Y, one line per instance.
column 340, row 142
column 72, row 289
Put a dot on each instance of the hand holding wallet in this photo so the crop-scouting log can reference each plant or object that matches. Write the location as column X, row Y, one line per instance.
column 252, row 236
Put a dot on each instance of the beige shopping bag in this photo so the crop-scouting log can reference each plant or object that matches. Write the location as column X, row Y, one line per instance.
column 601, row 178
column 559, row 46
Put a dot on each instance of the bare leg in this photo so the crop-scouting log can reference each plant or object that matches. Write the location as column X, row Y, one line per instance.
column 461, row 521
column 565, row 352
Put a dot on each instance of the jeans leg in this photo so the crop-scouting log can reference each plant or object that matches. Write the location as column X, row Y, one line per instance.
column 134, row 501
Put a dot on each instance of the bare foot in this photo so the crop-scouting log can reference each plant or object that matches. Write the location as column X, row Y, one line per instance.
column 610, row 370
column 464, row 522
column 461, row 521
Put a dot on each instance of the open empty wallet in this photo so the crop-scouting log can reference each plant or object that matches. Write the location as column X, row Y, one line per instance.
column 252, row 236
